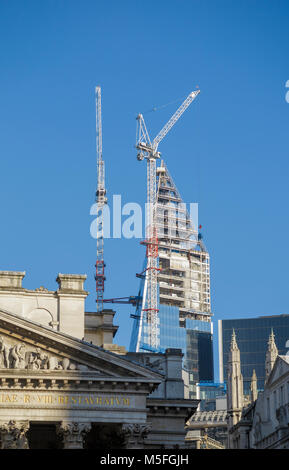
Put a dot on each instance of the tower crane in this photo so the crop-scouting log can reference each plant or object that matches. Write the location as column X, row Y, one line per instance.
column 101, row 200
column 149, row 150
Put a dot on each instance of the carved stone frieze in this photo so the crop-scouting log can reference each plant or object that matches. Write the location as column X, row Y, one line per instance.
column 18, row 355
column 153, row 363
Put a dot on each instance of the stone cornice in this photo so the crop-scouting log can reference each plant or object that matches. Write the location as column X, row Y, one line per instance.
column 104, row 327
column 70, row 292
column 69, row 381
column 180, row 402
column 44, row 293
column 170, row 407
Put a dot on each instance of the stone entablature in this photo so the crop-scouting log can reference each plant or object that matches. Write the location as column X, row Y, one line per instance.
column 71, row 383
column 160, row 409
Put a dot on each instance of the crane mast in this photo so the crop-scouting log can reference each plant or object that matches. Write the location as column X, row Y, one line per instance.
column 148, row 150
column 101, row 200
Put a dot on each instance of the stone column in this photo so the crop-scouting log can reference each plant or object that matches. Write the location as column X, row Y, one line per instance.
column 73, row 434
column 134, row 435
column 14, row 434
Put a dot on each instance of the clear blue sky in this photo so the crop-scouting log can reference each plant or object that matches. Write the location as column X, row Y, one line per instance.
column 229, row 152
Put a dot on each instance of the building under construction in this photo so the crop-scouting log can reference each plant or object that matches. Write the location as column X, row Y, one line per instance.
column 183, row 287
column 173, row 308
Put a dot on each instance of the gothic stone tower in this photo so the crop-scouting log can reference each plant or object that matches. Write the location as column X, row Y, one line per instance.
column 235, row 398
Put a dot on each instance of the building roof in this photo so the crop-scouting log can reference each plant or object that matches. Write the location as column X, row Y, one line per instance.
column 285, row 358
column 208, row 419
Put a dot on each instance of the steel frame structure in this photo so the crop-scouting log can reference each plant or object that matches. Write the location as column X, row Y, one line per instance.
column 149, row 151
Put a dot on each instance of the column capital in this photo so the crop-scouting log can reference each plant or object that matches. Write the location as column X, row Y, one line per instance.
column 134, row 434
column 73, row 433
column 14, row 434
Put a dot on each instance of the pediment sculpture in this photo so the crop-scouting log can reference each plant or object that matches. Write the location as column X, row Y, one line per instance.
column 18, row 355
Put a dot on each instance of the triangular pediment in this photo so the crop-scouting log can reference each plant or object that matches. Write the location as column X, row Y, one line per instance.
column 280, row 368
column 28, row 347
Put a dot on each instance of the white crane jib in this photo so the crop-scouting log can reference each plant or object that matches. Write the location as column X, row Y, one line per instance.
column 101, row 200
column 149, row 150
column 143, row 139
column 100, row 193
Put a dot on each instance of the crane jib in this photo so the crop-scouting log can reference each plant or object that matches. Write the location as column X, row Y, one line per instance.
column 148, row 150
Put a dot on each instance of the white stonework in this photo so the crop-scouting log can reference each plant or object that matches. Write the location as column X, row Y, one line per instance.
column 54, row 383
column 63, row 309
column 270, row 424
column 264, row 424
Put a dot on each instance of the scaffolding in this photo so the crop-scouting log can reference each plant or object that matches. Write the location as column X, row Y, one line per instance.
column 184, row 276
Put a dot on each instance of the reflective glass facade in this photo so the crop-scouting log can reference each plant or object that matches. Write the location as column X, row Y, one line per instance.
column 199, row 357
column 194, row 338
column 252, row 336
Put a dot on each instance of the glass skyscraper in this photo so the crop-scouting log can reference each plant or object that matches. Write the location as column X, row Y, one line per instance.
column 184, row 316
column 252, row 336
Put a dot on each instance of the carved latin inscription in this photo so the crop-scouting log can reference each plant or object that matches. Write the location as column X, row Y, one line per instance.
column 64, row 400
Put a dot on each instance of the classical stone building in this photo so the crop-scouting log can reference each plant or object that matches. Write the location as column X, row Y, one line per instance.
column 260, row 421
column 64, row 384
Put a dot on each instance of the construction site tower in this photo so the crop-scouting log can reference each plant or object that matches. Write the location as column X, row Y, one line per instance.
column 149, row 150
column 101, row 201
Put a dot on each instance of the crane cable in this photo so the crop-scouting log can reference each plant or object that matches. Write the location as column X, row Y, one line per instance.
column 156, row 108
